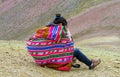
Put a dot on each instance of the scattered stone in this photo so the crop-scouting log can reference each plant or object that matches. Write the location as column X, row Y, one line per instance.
column 117, row 67
column 7, row 52
column 25, row 59
column 117, row 60
column 31, row 70
column 14, row 71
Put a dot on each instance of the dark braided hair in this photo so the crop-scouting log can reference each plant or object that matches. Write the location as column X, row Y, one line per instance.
column 60, row 19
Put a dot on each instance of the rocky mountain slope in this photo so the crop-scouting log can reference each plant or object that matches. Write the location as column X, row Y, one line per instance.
column 20, row 18
column 101, row 20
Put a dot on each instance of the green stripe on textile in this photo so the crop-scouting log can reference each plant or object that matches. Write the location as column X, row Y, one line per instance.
column 68, row 54
column 53, row 56
column 60, row 55
column 41, row 58
column 64, row 30
column 61, row 33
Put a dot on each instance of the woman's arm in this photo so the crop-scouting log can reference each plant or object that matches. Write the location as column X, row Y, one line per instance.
column 68, row 33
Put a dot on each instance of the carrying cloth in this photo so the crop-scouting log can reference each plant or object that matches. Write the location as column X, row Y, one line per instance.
column 49, row 51
column 53, row 32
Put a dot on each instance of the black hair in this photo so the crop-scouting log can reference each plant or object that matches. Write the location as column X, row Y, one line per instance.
column 58, row 19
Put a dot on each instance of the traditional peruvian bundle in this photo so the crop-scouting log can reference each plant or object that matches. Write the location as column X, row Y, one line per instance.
column 49, row 48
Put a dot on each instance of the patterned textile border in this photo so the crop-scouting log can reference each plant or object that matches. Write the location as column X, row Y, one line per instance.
column 56, row 53
column 48, row 52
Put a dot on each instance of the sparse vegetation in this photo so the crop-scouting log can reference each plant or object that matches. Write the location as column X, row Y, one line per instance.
column 16, row 62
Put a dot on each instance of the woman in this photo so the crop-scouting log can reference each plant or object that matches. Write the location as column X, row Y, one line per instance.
column 77, row 53
column 52, row 46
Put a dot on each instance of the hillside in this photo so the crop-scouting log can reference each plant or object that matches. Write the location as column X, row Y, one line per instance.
column 20, row 18
column 101, row 20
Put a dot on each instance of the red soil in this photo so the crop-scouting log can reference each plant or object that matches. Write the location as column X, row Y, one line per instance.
column 102, row 15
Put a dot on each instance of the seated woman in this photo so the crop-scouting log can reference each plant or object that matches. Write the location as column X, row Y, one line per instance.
column 53, row 47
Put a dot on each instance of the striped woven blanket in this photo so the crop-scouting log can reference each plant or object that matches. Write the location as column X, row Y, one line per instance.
column 53, row 32
column 48, row 52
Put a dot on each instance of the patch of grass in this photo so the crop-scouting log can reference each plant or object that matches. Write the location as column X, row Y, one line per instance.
column 100, row 39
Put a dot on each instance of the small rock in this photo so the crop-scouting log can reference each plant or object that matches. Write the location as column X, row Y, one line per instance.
column 31, row 70
column 7, row 52
column 25, row 59
column 117, row 60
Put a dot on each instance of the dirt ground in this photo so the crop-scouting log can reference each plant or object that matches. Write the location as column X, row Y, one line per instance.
column 16, row 62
